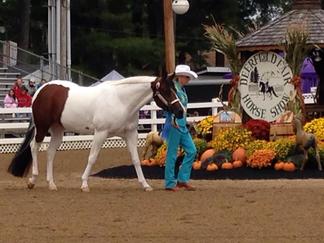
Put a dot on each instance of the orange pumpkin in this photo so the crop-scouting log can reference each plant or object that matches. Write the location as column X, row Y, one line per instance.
column 196, row 165
column 212, row 167
column 279, row 165
column 289, row 166
column 239, row 154
column 145, row 162
column 227, row 165
column 152, row 162
column 237, row 164
column 207, row 154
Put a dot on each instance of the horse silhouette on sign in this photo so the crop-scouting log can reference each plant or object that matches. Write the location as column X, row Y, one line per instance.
column 265, row 88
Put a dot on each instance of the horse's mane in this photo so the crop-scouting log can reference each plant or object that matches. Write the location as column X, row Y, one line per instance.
column 132, row 80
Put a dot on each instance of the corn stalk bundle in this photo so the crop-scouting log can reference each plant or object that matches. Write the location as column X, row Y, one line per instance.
column 223, row 41
column 296, row 49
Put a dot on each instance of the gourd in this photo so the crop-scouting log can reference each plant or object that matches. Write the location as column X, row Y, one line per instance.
column 207, row 154
column 212, row 167
column 227, row 165
column 196, row 165
column 239, row 154
column 279, row 165
column 289, row 166
column 237, row 164
column 145, row 162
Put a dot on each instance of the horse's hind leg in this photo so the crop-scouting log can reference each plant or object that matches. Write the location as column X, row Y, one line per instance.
column 98, row 140
column 34, row 146
column 131, row 140
column 56, row 140
column 318, row 159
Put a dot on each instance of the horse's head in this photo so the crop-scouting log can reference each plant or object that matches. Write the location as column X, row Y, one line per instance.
column 164, row 95
column 317, row 55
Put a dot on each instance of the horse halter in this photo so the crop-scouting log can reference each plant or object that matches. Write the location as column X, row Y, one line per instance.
column 158, row 94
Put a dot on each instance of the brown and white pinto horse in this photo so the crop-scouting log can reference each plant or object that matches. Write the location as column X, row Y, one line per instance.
column 108, row 109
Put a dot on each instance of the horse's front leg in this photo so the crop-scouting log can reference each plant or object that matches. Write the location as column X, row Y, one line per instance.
column 98, row 139
column 305, row 158
column 56, row 140
column 131, row 140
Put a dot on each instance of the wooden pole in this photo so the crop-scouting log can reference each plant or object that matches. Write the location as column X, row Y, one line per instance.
column 169, row 36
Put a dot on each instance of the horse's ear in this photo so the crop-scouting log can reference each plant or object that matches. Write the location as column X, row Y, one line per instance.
column 163, row 73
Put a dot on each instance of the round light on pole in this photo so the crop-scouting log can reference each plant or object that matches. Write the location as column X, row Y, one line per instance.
column 180, row 6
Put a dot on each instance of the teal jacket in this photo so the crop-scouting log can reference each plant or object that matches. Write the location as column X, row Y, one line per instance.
column 182, row 122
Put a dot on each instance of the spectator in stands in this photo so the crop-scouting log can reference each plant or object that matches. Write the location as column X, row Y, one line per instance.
column 24, row 100
column 31, row 87
column 43, row 81
column 10, row 101
column 17, row 86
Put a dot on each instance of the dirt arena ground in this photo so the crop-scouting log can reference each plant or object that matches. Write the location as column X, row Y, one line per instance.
column 119, row 211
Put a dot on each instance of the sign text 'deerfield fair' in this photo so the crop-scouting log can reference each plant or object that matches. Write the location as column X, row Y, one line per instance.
column 265, row 86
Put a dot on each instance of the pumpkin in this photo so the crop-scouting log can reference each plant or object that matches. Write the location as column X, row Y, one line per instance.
column 227, row 165
column 196, row 165
column 289, row 166
column 145, row 162
column 279, row 165
column 237, row 164
column 239, row 154
column 151, row 162
column 212, row 167
column 207, row 154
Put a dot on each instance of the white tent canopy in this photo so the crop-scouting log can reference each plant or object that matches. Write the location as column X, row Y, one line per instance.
column 113, row 75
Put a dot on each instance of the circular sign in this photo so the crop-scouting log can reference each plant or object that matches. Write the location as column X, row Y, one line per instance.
column 265, row 86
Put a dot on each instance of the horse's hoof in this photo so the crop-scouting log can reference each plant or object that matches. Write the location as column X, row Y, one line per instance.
column 30, row 185
column 148, row 189
column 52, row 187
column 85, row 189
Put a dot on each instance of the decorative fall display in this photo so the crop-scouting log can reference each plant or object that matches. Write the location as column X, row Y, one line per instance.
column 227, row 166
column 255, row 145
column 283, row 147
column 205, row 126
column 237, row 164
column 161, row 155
column 212, row 167
column 239, row 154
column 200, row 144
column 231, row 138
column 196, row 165
column 261, row 158
column 289, row 166
column 316, row 127
column 260, row 129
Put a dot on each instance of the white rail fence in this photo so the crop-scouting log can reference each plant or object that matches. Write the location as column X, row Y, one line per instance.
column 16, row 121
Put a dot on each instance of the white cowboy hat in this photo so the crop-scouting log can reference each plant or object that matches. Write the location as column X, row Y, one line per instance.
column 185, row 71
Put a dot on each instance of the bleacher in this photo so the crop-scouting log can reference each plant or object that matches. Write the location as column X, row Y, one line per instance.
column 7, row 79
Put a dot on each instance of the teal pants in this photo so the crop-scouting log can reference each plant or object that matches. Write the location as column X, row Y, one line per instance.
column 176, row 138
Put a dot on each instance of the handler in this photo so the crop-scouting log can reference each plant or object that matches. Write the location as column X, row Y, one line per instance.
column 176, row 134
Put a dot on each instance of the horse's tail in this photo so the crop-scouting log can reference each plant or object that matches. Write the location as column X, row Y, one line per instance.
column 22, row 160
